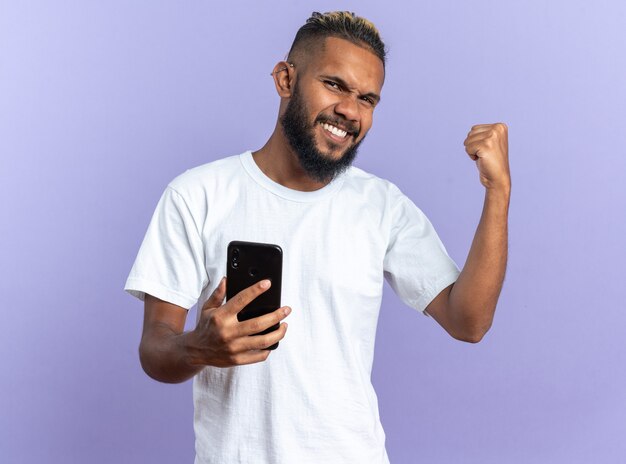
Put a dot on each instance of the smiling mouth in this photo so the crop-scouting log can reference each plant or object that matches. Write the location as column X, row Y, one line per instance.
column 337, row 132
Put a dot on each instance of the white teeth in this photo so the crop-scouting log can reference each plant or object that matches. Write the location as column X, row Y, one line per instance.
column 334, row 130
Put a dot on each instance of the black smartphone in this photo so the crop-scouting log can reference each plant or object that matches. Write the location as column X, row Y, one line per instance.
column 249, row 263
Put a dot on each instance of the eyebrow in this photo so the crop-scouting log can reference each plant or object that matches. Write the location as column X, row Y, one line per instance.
column 374, row 96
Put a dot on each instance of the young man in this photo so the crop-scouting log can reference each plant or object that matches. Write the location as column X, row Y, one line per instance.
column 342, row 231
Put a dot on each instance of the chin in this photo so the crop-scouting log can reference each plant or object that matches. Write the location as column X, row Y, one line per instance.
column 333, row 155
column 331, row 152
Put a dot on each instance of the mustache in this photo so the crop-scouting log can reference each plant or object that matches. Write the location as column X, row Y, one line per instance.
column 343, row 123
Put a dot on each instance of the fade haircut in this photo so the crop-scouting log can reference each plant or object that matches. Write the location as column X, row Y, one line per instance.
column 340, row 24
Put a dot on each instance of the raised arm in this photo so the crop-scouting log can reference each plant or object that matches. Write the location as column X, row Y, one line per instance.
column 466, row 308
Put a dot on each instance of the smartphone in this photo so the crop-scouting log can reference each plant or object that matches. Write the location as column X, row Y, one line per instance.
column 249, row 263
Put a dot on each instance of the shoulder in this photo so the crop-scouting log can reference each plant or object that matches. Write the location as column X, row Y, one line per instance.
column 199, row 189
column 372, row 187
column 202, row 184
column 199, row 176
column 383, row 196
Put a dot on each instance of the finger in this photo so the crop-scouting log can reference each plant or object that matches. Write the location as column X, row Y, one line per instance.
column 250, row 357
column 260, row 342
column 244, row 297
column 259, row 324
column 481, row 127
column 474, row 150
column 217, row 297
column 476, row 138
column 483, row 134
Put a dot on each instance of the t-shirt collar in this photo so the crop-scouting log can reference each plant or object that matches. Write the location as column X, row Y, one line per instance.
column 290, row 194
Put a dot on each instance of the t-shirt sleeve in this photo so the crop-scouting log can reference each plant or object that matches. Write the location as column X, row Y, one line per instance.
column 170, row 263
column 416, row 265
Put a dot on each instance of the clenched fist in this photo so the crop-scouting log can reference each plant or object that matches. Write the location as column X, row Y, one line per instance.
column 488, row 145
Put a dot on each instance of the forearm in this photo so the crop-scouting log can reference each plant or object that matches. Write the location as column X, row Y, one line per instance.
column 165, row 357
column 473, row 297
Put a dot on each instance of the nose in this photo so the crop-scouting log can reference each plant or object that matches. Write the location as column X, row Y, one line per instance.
column 348, row 107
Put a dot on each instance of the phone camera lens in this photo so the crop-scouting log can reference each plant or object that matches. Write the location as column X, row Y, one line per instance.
column 235, row 264
column 236, row 253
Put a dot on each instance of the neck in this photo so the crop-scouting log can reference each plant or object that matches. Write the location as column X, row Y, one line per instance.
column 280, row 163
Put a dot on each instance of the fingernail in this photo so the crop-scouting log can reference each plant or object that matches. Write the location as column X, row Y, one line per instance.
column 287, row 310
column 265, row 283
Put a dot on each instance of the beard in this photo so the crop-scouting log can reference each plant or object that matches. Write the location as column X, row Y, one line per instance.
column 301, row 136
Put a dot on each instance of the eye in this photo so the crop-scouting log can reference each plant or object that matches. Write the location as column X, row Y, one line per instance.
column 368, row 102
column 332, row 85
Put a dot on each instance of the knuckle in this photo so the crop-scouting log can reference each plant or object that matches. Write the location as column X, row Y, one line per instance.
column 222, row 331
column 237, row 358
column 229, row 334
column 223, row 328
column 264, row 341
column 215, row 319
column 255, row 326
column 260, row 343
column 221, row 336
column 230, row 350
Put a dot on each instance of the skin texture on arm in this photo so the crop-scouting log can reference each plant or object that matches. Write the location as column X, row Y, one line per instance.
column 168, row 354
column 466, row 308
column 161, row 351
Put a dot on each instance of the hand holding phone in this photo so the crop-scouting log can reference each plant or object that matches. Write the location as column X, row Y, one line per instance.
column 251, row 262
column 221, row 340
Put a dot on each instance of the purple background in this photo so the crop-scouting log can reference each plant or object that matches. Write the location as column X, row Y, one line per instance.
column 102, row 103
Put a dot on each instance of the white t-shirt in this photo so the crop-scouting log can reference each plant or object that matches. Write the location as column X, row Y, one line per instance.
column 312, row 400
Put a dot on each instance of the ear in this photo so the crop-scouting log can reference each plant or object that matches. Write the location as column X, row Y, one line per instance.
column 284, row 75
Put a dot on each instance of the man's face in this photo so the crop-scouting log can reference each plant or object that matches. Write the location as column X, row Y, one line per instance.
column 331, row 107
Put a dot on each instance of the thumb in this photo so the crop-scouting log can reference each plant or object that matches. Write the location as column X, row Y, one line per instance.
column 217, row 297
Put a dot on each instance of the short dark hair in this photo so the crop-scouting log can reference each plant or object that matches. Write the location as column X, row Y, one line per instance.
column 341, row 24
